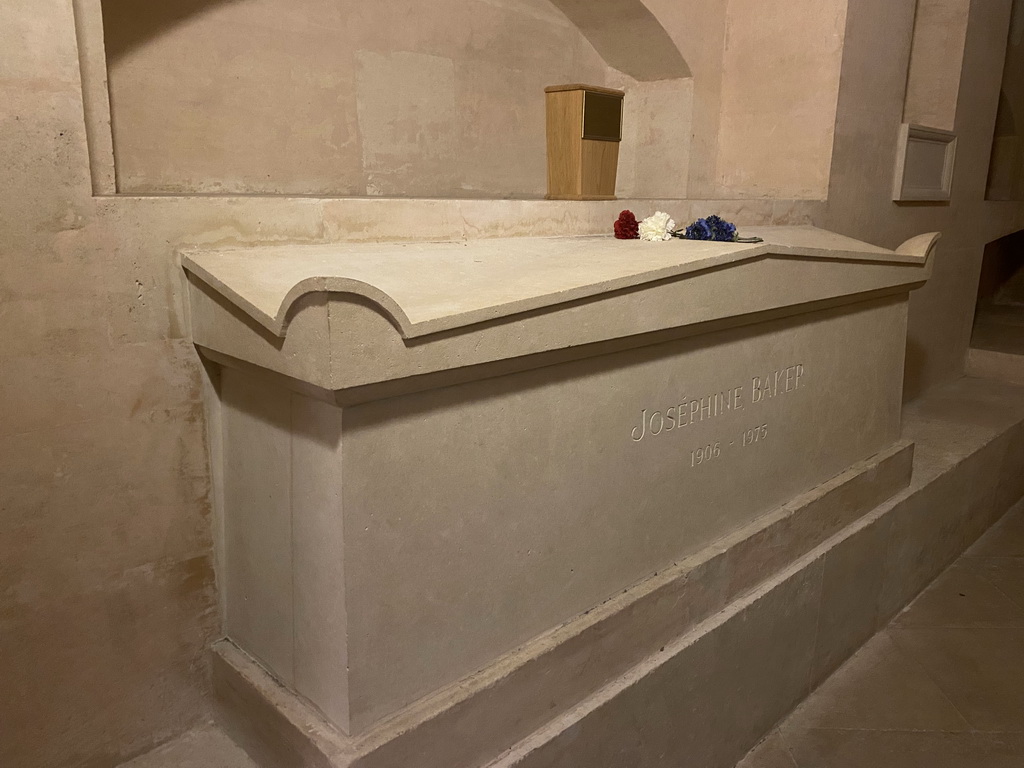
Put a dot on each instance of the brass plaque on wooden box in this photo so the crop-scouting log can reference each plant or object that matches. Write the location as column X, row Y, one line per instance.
column 602, row 116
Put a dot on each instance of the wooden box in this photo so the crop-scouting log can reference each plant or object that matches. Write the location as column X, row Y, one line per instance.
column 584, row 127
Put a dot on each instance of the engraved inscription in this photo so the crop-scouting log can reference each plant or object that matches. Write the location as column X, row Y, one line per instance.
column 715, row 449
column 689, row 411
column 705, row 453
column 755, row 435
column 776, row 383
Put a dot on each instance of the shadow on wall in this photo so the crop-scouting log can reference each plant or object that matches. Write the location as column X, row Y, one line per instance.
column 624, row 32
column 914, row 367
column 128, row 24
column 1006, row 167
column 1002, row 271
column 627, row 36
column 999, row 313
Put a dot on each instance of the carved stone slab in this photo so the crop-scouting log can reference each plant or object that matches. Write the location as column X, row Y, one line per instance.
column 430, row 455
column 347, row 316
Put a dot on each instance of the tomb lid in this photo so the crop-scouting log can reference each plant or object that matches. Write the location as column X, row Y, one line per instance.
column 429, row 287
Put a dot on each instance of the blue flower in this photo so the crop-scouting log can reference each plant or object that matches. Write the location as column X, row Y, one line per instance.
column 720, row 229
column 699, row 230
column 711, row 228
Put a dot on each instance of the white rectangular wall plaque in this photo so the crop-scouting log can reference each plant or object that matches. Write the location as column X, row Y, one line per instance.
column 924, row 164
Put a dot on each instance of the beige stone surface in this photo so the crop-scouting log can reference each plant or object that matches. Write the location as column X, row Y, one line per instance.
column 936, row 58
column 770, row 753
column 92, row 58
column 654, row 154
column 893, row 693
column 703, row 45
column 930, row 690
column 203, row 747
column 703, row 663
column 465, row 722
column 368, row 359
column 847, row 617
column 961, row 597
column 450, row 490
column 987, row 364
column 619, row 517
column 628, row 36
column 780, row 85
column 431, row 287
column 432, row 480
column 107, row 599
column 1006, row 168
column 103, row 471
column 496, row 94
column 925, row 704
column 851, row 749
column 257, row 576
column 706, row 701
column 871, row 97
column 312, row 98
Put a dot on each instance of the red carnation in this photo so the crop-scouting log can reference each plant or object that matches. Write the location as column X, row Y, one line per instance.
column 626, row 227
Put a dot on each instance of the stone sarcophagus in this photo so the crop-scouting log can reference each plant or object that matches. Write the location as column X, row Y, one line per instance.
column 450, row 471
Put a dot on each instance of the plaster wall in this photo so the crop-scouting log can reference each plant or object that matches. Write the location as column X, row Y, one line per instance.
column 107, row 594
column 106, row 581
column 318, row 97
column 698, row 28
column 778, row 101
column 328, row 98
column 876, row 61
column 1006, row 172
column 936, row 57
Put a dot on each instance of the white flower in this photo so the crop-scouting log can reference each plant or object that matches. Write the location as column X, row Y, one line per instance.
column 657, row 227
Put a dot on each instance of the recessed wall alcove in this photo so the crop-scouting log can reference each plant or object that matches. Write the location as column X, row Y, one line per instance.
column 999, row 313
column 332, row 98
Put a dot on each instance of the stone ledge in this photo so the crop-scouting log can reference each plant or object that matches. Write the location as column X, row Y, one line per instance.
column 347, row 316
column 986, row 363
column 430, row 287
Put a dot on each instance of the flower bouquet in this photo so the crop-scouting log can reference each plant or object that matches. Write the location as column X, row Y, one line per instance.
column 659, row 226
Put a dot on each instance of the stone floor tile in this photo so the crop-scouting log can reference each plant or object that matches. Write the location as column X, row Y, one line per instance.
column 770, row 753
column 961, row 597
column 879, row 688
column 1004, row 539
column 1005, row 573
column 981, row 670
column 828, row 748
column 204, row 747
column 941, row 687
